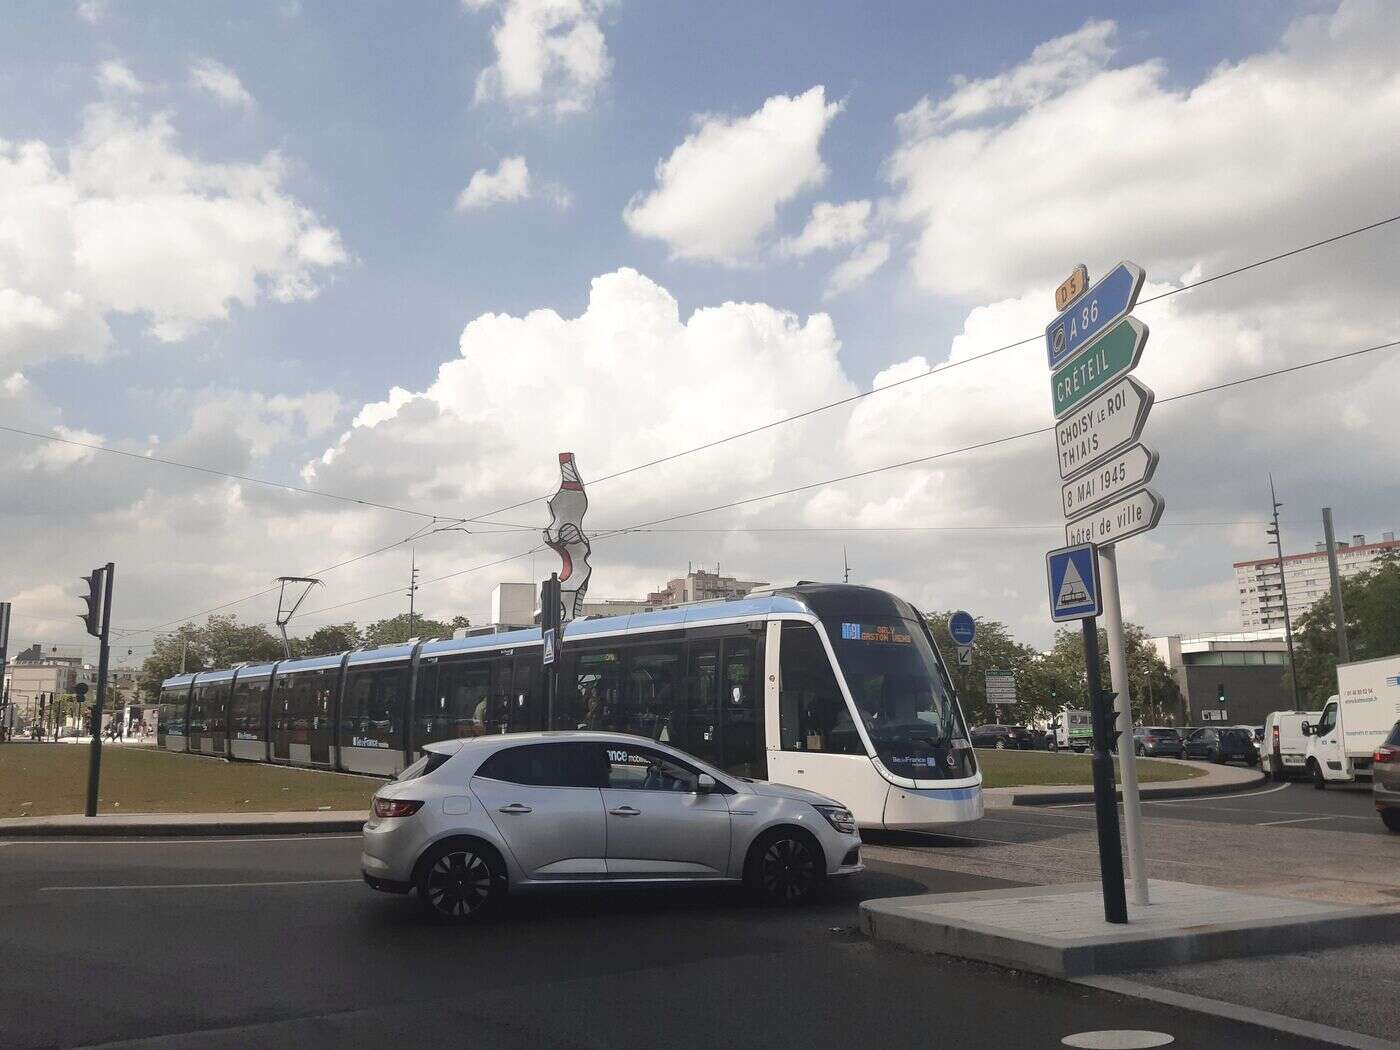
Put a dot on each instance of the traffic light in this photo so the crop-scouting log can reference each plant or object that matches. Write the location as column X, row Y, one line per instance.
column 93, row 617
column 1220, row 694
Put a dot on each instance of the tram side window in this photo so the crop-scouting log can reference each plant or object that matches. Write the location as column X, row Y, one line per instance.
column 651, row 703
column 373, row 710
column 592, row 686
column 246, row 710
column 172, row 712
column 813, row 715
column 455, row 700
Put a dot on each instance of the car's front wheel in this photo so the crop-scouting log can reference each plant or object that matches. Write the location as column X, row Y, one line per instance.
column 1001, row 743
column 785, row 866
column 1319, row 780
column 461, row 881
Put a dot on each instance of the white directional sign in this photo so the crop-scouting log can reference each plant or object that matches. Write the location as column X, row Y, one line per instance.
column 1117, row 521
column 1001, row 687
column 964, row 656
column 1107, row 424
column 1116, row 476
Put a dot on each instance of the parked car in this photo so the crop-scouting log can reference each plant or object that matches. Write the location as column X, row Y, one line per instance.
column 1385, row 779
column 1284, row 752
column 477, row 818
column 1156, row 741
column 1222, row 745
column 1004, row 738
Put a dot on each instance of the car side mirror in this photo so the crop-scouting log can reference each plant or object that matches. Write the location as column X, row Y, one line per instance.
column 1306, row 728
column 704, row 784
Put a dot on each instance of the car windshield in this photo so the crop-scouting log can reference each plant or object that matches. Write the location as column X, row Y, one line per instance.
column 903, row 699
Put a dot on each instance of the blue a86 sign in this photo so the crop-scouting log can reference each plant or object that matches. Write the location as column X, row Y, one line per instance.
column 1093, row 313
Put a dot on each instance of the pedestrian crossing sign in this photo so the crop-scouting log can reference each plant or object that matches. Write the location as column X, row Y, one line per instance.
column 1073, row 574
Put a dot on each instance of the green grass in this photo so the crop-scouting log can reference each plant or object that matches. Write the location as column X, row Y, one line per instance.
column 1016, row 768
column 40, row 780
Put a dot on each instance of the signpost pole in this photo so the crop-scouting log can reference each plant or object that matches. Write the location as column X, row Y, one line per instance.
column 95, row 749
column 1127, row 756
column 551, row 613
column 1115, row 905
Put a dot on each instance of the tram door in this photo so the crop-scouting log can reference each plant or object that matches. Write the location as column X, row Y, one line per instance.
column 280, row 720
column 517, row 687
column 724, row 705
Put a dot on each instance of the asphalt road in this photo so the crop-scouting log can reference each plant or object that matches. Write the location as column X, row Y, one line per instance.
column 274, row 942
column 1296, row 804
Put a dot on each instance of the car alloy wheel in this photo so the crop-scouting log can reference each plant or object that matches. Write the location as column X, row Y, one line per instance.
column 789, row 870
column 1001, row 743
column 458, row 884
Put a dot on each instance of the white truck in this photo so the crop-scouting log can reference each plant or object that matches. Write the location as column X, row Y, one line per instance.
column 1284, row 750
column 1074, row 730
column 1354, row 722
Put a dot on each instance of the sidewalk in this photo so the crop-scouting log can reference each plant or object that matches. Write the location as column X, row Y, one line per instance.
column 1218, row 780
column 162, row 824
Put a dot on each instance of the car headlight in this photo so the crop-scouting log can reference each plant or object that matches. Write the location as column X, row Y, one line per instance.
column 839, row 817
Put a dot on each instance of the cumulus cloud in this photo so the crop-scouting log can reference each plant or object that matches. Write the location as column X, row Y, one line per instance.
column 857, row 269
column 222, row 83
column 124, row 221
column 509, row 182
column 117, row 77
column 831, row 226
column 92, row 12
column 551, row 56
column 718, row 193
column 1259, row 150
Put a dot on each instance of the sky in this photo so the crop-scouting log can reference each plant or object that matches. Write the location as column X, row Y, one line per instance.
column 392, row 261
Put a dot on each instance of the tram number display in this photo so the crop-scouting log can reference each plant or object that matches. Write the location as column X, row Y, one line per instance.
column 874, row 632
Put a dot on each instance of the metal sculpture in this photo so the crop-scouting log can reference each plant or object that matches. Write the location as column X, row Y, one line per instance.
column 565, row 536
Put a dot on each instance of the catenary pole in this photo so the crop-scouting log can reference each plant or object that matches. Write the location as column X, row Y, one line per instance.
column 1115, row 905
column 1127, row 758
column 1339, row 615
column 1277, row 534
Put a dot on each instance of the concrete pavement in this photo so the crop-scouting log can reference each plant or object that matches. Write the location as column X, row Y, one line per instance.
column 144, row 824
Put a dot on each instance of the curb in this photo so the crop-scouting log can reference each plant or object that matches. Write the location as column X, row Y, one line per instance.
column 1198, row 791
column 167, row 829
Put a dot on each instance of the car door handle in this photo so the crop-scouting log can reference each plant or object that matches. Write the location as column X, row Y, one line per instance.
column 625, row 811
column 516, row 807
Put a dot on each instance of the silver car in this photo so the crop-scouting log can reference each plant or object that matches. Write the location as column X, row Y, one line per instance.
column 473, row 819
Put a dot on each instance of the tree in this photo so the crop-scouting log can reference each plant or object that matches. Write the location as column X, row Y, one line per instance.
column 329, row 640
column 221, row 642
column 1156, row 695
column 995, row 650
column 396, row 630
column 1372, row 603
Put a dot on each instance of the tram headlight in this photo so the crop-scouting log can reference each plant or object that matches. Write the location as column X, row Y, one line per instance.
column 839, row 817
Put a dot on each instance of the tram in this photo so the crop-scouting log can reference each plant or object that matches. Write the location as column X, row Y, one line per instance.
column 836, row 688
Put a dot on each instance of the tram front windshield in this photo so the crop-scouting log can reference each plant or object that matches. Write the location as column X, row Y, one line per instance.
column 901, row 697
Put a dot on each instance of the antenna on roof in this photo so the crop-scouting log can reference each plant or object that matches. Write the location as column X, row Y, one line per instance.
column 847, row 562
column 284, row 615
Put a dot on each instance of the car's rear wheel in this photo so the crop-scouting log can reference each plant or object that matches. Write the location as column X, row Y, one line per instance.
column 1391, row 818
column 1218, row 757
column 461, row 881
column 786, row 866
column 1001, row 743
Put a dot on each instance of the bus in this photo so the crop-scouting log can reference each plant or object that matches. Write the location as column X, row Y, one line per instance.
column 836, row 688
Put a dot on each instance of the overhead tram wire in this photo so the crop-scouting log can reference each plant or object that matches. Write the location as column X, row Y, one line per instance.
column 485, row 517
column 948, row 453
column 991, row 442
column 949, row 366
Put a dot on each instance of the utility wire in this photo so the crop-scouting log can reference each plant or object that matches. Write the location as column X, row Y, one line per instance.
column 948, row 366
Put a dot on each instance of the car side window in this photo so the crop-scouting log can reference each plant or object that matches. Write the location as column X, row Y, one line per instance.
column 641, row 769
column 547, row 765
column 1328, row 721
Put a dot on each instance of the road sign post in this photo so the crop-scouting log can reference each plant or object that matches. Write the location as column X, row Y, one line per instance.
column 551, row 638
column 1001, row 687
column 99, row 600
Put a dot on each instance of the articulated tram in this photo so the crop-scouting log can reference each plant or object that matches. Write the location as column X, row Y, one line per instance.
column 836, row 688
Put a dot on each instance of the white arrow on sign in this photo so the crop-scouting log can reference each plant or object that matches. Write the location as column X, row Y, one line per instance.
column 1116, row 476
column 1126, row 517
column 1107, row 424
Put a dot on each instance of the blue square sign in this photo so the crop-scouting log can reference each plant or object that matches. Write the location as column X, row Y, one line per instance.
column 1073, row 573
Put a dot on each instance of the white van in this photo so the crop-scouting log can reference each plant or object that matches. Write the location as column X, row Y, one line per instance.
column 1354, row 722
column 1074, row 730
column 1284, row 750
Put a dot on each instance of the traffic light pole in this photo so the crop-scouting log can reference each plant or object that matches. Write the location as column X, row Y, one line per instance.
column 551, row 615
column 95, row 754
column 1115, row 904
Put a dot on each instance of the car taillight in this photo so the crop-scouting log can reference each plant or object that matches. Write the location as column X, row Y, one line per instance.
column 396, row 807
column 1275, row 734
column 1385, row 754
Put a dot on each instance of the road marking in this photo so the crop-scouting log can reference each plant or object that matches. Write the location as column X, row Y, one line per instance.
column 1203, row 798
column 1295, row 820
column 1123, row 1039
column 205, row 885
column 161, row 841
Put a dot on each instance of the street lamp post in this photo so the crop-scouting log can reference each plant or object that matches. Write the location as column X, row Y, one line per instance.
column 1283, row 584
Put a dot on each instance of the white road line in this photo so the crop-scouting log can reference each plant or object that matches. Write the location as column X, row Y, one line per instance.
column 1295, row 820
column 158, row 840
column 204, row 885
column 1199, row 799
